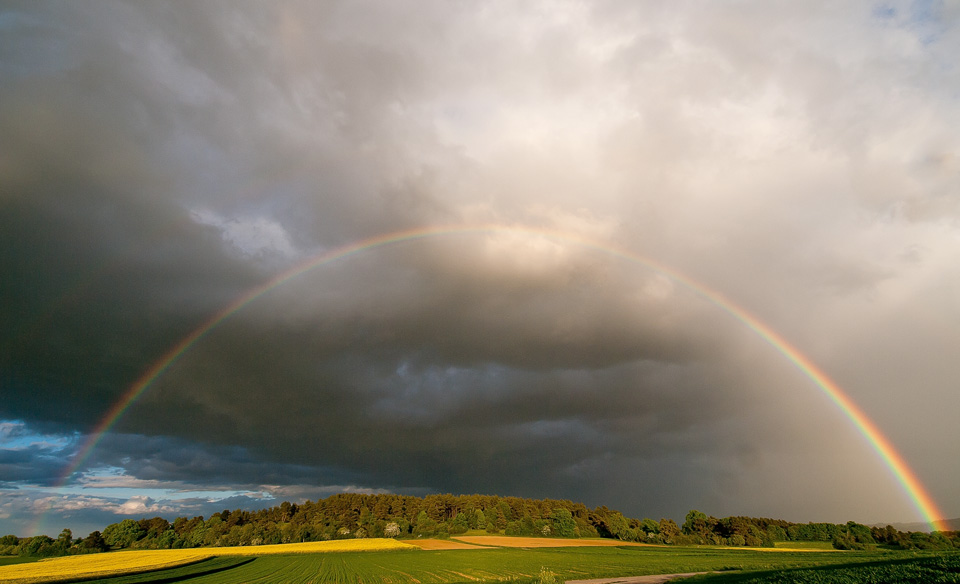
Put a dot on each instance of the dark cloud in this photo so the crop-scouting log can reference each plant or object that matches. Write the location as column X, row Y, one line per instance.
column 160, row 160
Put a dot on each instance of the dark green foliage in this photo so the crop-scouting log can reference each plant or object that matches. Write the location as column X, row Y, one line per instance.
column 351, row 515
column 9, row 540
column 853, row 536
column 123, row 534
column 563, row 523
column 94, row 542
column 40, row 545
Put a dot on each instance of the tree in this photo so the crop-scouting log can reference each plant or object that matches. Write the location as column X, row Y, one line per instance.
column 425, row 525
column 617, row 526
column 481, row 520
column 392, row 529
column 501, row 522
column 65, row 540
column 38, row 545
column 563, row 523
column 649, row 526
column 669, row 530
column 123, row 534
column 696, row 523
column 460, row 523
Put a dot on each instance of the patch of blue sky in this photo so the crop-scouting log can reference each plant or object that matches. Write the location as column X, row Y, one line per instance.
column 923, row 17
column 17, row 435
column 157, row 494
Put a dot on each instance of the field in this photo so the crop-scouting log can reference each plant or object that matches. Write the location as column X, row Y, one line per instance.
column 940, row 569
column 302, row 564
column 805, row 545
column 98, row 565
column 135, row 562
column 8, row 560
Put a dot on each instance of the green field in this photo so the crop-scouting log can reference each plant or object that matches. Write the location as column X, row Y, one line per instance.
column 805, row 545
column 942, row 568
column 450, row 566
column 204, row 568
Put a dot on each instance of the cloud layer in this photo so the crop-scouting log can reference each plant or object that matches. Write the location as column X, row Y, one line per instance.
column 161, row 160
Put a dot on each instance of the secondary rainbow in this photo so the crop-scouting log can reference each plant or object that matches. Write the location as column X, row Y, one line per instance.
column 904, row 475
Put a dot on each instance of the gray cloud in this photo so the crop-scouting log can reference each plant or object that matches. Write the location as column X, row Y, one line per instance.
column 159, row 160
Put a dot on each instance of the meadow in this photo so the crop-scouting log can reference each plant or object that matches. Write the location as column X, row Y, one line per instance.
column 294, row 564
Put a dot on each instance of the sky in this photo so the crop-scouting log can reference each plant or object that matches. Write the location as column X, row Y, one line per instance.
column 595, row 185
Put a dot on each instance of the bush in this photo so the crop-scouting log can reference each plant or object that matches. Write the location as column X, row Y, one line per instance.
column 547, row 577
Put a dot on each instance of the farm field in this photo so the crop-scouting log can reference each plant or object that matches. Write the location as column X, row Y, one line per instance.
column 805, row 545
column 942, row 568
column 99, row 565
column 8, row 560
column 459, row 565
column 443, row 544
column 138, row 561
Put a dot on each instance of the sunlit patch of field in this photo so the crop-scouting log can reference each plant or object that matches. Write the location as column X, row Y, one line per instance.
column 542, row 542
column 313, row 547
column 99, row 565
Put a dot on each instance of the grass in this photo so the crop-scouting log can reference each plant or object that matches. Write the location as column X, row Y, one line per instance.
column 805, row 545
column 136, row 561
column 236, row 565
column 941, row 568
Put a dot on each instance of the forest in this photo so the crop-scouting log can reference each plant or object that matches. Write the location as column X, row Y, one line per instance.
column 345, row 516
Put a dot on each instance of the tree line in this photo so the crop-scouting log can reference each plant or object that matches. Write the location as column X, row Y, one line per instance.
column 352, row 515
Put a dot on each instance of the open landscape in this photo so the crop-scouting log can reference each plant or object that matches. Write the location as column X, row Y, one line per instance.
column 479, row 291
column 446, row 539
column 502, row 559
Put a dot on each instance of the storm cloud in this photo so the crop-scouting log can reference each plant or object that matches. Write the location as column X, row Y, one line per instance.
column 161, row 160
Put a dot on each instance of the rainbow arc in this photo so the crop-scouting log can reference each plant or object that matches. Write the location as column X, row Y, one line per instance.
column 905, row 476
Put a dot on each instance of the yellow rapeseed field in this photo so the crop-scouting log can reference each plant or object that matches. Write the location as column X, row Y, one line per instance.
column 128, row 562
column 98, row 565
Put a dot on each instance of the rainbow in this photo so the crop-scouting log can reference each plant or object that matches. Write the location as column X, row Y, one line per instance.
column 905, row 476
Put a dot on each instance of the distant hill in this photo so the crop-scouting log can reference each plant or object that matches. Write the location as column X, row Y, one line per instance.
column 950, row 524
